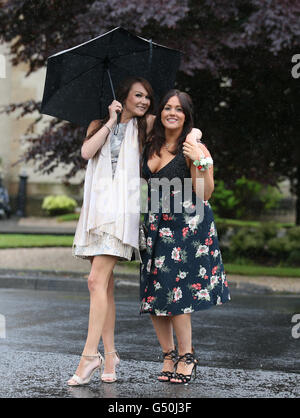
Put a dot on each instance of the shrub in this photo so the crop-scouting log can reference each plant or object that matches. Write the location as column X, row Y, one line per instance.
column 247, row 242
column 58, row 205
column 287, row 247
column 223, row 201
column 294, row 258
column 294, row 235
column 280, row 247
column 247, row 196
column 261, row 242
column 269, row 230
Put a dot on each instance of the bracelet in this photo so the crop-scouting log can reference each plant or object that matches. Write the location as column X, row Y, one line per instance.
column 108, row 128
column 204, row 163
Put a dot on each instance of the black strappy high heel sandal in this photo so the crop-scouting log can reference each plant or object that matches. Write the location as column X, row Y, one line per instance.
column 187, row 358
column 170, row 355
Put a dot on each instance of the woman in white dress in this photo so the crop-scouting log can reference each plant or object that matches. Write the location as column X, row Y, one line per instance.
column 108, row 227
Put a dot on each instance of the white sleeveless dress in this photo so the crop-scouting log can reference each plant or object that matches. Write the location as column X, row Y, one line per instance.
column 106, row 243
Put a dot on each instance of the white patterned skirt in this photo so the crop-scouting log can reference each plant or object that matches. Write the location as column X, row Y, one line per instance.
column 105, row 244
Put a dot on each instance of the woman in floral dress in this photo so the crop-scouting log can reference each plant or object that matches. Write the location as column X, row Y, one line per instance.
column 182, row 269
column 107, row 231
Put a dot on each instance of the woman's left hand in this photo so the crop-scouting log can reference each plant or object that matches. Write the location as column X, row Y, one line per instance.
column 192, row 149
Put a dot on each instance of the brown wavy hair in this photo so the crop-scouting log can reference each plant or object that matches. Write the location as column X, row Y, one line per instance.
column 156, row 137
column 121, row 95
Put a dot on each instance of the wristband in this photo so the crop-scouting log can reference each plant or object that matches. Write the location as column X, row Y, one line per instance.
column 108, row 128
column 203, row 164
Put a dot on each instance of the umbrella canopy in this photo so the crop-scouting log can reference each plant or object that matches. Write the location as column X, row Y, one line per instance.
column 79, row 81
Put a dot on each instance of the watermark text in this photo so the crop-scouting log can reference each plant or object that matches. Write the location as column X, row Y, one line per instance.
column 2, row 326
column 296, row 328
column 296, row 68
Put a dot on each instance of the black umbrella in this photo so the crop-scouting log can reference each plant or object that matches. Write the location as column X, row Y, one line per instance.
column 80, row 81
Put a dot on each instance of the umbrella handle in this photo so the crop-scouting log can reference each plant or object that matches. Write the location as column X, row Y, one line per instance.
column 117, row 125
column 111, row 83
column 150, row 56
column 114, row 96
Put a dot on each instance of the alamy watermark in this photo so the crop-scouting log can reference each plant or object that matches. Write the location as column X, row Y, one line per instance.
column 2, row 66
column 165, row 195
column 181, row 194
column 296, row 328
column 296, row 68
column 2, row 326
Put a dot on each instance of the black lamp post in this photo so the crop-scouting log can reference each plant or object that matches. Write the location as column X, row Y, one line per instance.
column 5, row 209
column 22, row 195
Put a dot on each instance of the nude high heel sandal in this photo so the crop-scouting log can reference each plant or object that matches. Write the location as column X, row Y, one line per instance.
column 84, row 381
column 111, row 377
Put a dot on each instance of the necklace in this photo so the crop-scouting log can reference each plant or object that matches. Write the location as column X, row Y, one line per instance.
column 167, row 146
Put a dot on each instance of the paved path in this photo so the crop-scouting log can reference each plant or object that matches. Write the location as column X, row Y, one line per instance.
column 245, row 348
column 61, row 260
column 36, row 226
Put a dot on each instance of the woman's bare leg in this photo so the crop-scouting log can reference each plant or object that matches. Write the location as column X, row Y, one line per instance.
column 98, row 280
column 108, row 331
column 99, row 277
column 183, row 329
column 164, row 331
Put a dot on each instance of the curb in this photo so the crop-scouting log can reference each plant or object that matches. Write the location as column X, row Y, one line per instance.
column 68, row 281
column 58, row 281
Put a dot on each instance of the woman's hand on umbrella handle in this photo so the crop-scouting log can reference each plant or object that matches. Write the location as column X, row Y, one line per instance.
column 114, row 108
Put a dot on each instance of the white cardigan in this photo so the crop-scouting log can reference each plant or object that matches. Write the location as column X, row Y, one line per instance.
column 112, row 205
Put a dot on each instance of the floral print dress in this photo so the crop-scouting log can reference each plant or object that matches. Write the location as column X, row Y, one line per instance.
column 182, row 269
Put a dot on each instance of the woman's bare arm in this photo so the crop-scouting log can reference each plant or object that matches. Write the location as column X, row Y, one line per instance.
column 194, row 151
column 96, row 142
column 93, row 144
column 150, row 121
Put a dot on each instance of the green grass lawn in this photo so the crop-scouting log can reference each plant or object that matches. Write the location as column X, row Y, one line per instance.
column 246, row 270
column 257, row 224
column 256, row 270
column 230, row 222
column 68, row 217
column 27, row 241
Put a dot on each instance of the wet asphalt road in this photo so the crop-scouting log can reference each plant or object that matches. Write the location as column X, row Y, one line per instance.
column 245, row 348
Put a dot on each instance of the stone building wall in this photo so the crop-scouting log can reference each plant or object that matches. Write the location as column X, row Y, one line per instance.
column 15, row 87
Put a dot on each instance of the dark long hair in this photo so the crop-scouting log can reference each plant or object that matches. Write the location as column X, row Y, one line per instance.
column 121, row 95
column 157, row 138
